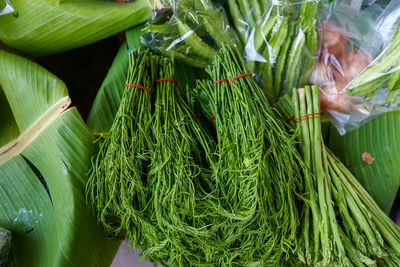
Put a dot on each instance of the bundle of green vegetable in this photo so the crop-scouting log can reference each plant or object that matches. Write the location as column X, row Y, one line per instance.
column 178, row 180
column 116, row 187
column 341, row 224
column 150, row 179
column 280, row 39
column 191, row 30
column 257, row 169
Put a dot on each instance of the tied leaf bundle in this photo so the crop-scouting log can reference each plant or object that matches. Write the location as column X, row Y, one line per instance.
column 257, row 170
column 150, row 179
column 342, row 225
column 178, row 177
column 117, row 183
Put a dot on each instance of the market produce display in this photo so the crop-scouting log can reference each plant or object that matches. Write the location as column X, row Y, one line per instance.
column 226, row 133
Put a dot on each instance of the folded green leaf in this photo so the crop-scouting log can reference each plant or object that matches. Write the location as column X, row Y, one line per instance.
column 380, row 138
column 43, row 173
column 45, row 27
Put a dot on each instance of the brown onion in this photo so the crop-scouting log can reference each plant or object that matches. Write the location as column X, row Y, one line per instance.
column 331, row 99
column 354, row 62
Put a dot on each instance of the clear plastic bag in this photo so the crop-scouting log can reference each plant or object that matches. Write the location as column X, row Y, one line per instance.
column 352, row 39
column 339, row 45
column 5, row 7
column 192, row 30
column 280, row 41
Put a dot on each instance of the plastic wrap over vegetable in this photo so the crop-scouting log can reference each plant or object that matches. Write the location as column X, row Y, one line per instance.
column 5, row 7
column 280, row 41
column 192, row 30
column 357, row 60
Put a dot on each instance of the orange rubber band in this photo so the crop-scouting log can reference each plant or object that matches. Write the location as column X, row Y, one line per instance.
column 305, row 117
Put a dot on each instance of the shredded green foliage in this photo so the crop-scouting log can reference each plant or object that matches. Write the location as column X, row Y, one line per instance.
column 342, row 225
column 256, row 172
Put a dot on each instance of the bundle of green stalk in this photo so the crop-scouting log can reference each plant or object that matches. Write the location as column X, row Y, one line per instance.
column 149, row 180
column 192, row 31
column 281, row 41
column 178, row 178
column 117, row 186
column 257, row 170
column 341, row 223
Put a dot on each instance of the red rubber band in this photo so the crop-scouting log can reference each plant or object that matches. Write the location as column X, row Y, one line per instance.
column 167, row 80
column 197, row 115
column 213, row 117
column 138, row 86
column 290, row 119
column 219, row 81
column 330, row 152
column 240, row 76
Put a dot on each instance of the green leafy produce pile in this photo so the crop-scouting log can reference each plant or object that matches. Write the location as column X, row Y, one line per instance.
column 206, row 143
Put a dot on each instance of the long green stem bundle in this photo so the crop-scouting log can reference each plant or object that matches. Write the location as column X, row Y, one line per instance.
column 342, row 225
column 151, row 179
column 178, row 177
column 257, row 171
column 116, row 186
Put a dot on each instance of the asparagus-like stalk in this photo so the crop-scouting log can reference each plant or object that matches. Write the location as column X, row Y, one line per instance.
column 349, row 228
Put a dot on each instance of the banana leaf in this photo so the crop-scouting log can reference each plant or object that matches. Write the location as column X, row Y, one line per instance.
column 380, row 138
column 45, row 151
column 44, row 27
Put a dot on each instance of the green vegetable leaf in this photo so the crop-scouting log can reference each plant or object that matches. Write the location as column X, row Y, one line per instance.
column 45, row 27
column 43, row 172
column 380, row 138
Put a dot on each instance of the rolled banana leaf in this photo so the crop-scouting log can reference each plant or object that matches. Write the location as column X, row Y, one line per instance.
column 45, row 152
column 44, row 27
column 379, row 170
